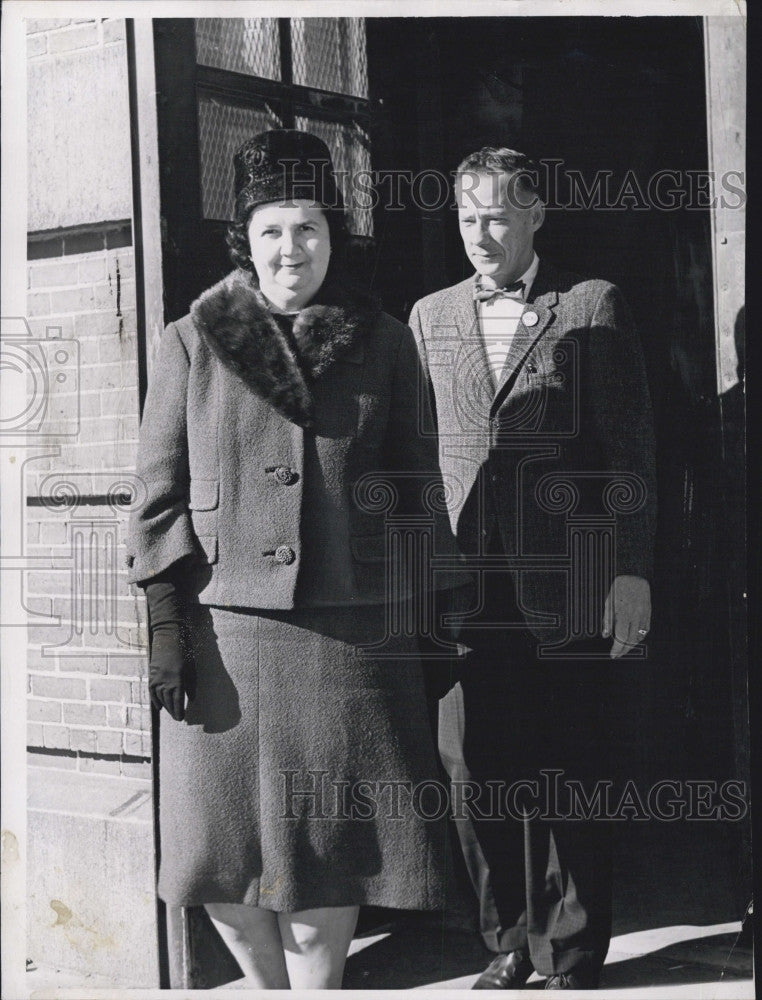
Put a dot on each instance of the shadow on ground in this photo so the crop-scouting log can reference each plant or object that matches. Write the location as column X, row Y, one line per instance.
column 668, row 879
column 702, row 960
column 411, row 956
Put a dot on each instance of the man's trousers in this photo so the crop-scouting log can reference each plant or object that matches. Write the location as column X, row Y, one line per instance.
column 526, row 737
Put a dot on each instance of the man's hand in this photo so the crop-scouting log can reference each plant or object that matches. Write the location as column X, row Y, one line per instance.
column 627, row 613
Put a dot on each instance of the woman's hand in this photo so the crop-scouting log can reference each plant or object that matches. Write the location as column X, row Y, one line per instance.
column 170, row 672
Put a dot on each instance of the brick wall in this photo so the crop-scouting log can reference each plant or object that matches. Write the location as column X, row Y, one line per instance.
column 88, row 701
column 90, row 795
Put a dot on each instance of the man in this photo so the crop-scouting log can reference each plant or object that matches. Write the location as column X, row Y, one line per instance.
column 546, row 448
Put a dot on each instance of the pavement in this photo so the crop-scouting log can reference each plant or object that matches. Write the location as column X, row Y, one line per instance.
column 685, row 960
column 696, row 962
column 677, row 932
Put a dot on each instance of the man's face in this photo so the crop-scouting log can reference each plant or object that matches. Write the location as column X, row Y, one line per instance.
column 498, row 220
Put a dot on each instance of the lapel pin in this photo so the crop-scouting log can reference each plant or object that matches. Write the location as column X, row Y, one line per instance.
column 530, row 318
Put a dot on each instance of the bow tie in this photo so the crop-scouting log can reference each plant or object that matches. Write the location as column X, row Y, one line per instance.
column 512, row 291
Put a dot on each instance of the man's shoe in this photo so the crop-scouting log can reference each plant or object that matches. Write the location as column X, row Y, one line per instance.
column 577, row 979
column 506, row 972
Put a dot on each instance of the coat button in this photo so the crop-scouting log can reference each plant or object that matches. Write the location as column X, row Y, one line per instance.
column 286, row 476
column 284, row 555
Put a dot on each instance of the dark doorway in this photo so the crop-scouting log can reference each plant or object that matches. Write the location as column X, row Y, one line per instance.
column 626, row 97
column 622, row 99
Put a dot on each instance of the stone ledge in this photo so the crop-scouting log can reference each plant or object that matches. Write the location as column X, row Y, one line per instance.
column 100, row 796
column 91, row 897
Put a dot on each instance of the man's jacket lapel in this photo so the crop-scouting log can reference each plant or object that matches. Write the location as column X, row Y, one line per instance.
column 542, row 302
column 473, row 364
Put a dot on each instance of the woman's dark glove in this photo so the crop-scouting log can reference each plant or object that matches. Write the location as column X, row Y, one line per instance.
column 171, row 674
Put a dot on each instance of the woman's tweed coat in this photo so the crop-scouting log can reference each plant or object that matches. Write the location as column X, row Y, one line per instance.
column 271, row 466
column 275, row 473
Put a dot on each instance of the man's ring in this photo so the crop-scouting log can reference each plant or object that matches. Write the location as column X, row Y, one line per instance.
column 642, row 631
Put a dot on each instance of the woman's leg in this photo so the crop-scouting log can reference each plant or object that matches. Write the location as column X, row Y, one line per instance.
column 316, row 943
column 253, row 937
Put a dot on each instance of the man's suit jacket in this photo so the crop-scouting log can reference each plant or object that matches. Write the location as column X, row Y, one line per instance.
column 559, row 457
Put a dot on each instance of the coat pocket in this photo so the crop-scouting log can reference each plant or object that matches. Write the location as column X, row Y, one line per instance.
column 204, row 502
column 204, row 494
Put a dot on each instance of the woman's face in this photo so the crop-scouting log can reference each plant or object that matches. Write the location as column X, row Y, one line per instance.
column 290, row 249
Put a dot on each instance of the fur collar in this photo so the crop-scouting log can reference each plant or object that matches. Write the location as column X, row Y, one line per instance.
column 233, row 318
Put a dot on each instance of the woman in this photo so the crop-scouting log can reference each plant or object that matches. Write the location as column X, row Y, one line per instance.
column 281, row 430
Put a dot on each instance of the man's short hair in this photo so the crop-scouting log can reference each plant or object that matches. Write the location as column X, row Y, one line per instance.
column 501, row 160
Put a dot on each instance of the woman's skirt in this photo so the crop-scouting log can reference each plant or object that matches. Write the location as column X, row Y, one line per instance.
column 303, row 774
